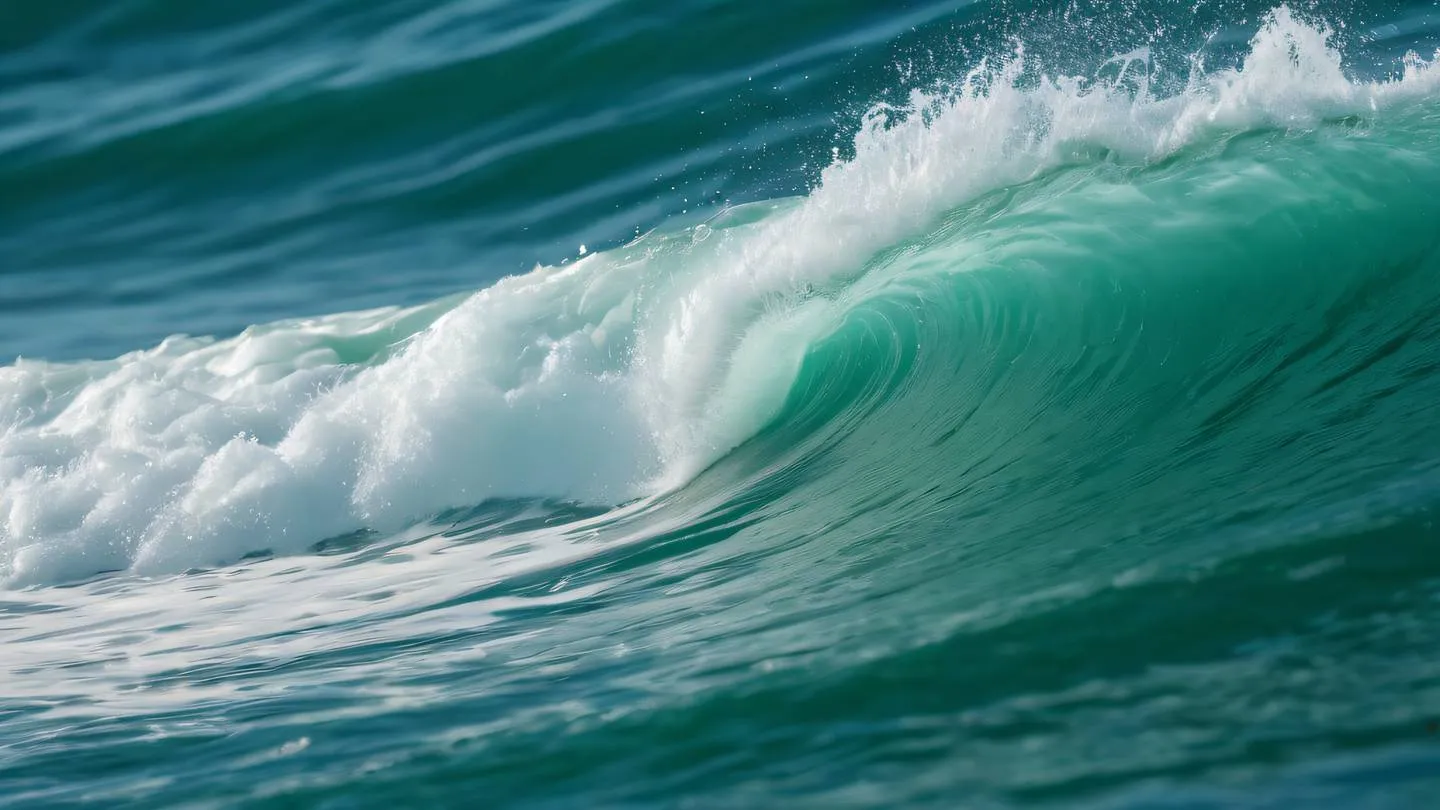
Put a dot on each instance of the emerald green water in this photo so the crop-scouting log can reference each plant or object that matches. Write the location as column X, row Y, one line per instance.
column 992, row 405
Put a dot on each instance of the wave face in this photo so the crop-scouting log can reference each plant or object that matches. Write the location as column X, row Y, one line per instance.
column 1069, row 441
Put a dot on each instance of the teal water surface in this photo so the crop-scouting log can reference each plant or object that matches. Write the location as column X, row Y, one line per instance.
column 612, row 403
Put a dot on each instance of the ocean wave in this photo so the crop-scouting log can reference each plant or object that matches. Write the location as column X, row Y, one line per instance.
column 626, row 374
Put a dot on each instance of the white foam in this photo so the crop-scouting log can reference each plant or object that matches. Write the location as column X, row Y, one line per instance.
column 600, row 381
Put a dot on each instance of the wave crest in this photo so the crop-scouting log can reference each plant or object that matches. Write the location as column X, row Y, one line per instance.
column 611, row 378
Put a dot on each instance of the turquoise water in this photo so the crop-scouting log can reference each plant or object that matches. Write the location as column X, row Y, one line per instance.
column 698, row 404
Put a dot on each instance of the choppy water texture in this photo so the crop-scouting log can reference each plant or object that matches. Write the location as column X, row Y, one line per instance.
column 910, row 404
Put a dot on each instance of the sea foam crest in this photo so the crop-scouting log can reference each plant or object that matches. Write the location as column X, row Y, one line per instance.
column 603, row 380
